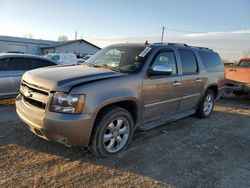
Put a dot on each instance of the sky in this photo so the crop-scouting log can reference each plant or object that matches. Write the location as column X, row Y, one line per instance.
column 223, row 25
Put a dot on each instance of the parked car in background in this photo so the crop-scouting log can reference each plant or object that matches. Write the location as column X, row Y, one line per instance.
column 13, row 66
column 229, row 64
column 83, row 59
column 62, row 58
column 119, row 89
column 238, row 77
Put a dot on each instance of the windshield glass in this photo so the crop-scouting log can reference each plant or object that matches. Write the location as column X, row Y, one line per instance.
column 54, row 58
column 244, row 63
column 120, row 58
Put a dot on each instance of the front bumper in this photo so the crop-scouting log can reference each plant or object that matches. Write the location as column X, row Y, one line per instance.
column 68, row 129
column 239, row 87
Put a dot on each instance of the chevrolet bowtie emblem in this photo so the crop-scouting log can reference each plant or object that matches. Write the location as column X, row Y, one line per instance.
column 28, row 93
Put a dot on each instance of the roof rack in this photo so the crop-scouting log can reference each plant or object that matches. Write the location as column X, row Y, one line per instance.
column 202, row 48
column 178, row 44
column 175, row 44
column 185, row 45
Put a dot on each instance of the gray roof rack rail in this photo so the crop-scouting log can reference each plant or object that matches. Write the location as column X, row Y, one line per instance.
column 175, row 44
column 202, row 48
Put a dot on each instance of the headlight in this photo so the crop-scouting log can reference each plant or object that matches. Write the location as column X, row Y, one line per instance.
column 67, row 103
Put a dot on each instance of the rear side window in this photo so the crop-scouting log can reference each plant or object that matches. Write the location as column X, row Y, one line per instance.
column 188, row 62
column 11, row 64
column 31, row 63
column 211, row 61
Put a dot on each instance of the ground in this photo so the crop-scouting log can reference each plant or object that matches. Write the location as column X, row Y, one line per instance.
column 191, row 152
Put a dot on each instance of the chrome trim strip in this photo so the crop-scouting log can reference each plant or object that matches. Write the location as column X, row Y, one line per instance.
column 171, row 100
column 161, row 102
column 188, row 96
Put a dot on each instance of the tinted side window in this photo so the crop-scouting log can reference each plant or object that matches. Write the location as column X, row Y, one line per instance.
column 11, row 64
column 46, row 63
column 188, row 62
column 31, row 63
column 211, row 61
column 166, row 58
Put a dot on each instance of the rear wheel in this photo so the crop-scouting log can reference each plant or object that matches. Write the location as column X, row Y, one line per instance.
column 112, row 133
column 206, row 105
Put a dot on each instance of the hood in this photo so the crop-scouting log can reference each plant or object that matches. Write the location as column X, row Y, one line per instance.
column 63, row 78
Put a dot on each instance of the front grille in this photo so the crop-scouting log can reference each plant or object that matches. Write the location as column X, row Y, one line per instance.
column 32, row 88
column 34, row 95
column 38, row 104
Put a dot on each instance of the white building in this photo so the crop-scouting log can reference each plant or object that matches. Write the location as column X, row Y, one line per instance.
column 80, row 47
column 40, row 47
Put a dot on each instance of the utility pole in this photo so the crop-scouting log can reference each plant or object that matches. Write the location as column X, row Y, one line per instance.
column 162, row 34
column 75, row 35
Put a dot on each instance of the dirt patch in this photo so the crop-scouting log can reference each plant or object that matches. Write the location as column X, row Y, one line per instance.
column 191, row 152
column 6, row 102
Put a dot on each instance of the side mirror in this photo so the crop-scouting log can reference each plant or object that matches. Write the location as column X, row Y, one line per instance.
column 158, row 70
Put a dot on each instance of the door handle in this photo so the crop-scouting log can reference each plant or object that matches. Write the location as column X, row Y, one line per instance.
column 198, row 80
column 176, row 83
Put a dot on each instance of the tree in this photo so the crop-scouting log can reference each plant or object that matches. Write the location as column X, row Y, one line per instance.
column 62, row 38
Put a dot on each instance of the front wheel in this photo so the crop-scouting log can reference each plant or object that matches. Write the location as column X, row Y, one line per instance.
column 206, row 105
column 112, row 132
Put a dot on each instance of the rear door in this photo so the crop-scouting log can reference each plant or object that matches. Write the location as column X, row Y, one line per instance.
column 161, row 94
column 11, row 71
column 191, row 82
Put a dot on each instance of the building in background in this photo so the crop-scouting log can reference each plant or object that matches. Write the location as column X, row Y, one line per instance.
column 80, row 47
column 40, row 47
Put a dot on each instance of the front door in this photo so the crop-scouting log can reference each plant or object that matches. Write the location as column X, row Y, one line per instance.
column 161, row 94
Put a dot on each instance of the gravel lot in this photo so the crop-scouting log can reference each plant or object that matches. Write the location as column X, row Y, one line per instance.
column 191, row 152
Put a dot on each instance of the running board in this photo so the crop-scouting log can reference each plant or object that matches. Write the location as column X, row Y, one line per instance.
column 157, row 123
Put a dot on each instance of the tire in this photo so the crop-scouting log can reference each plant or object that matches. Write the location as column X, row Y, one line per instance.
column 112, row 132
column 205, row 107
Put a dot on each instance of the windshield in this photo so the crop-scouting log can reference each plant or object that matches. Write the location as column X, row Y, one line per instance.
column 244, row 63
column 54, row 58
column 120, row 58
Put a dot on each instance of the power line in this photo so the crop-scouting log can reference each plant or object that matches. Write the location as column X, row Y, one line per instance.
column 150, row 32
column 184, row 31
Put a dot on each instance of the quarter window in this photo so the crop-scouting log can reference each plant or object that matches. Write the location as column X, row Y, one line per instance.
column 211, row 61
column 166, row 58
column 188, row 62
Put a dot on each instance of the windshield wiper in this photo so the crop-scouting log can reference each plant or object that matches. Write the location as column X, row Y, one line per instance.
column 110, row 67
column 103, row 66
column 91, row 65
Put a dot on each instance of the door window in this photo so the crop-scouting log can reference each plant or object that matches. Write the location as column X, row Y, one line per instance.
column 11, row 64
column 31, row 63
column 166, row 58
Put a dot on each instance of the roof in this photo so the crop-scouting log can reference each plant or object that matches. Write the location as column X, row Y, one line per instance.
column 27, row 40
column 160, row 45
column 245, row 59
column 9, row 55
column 43, row 43
column 68, row 42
